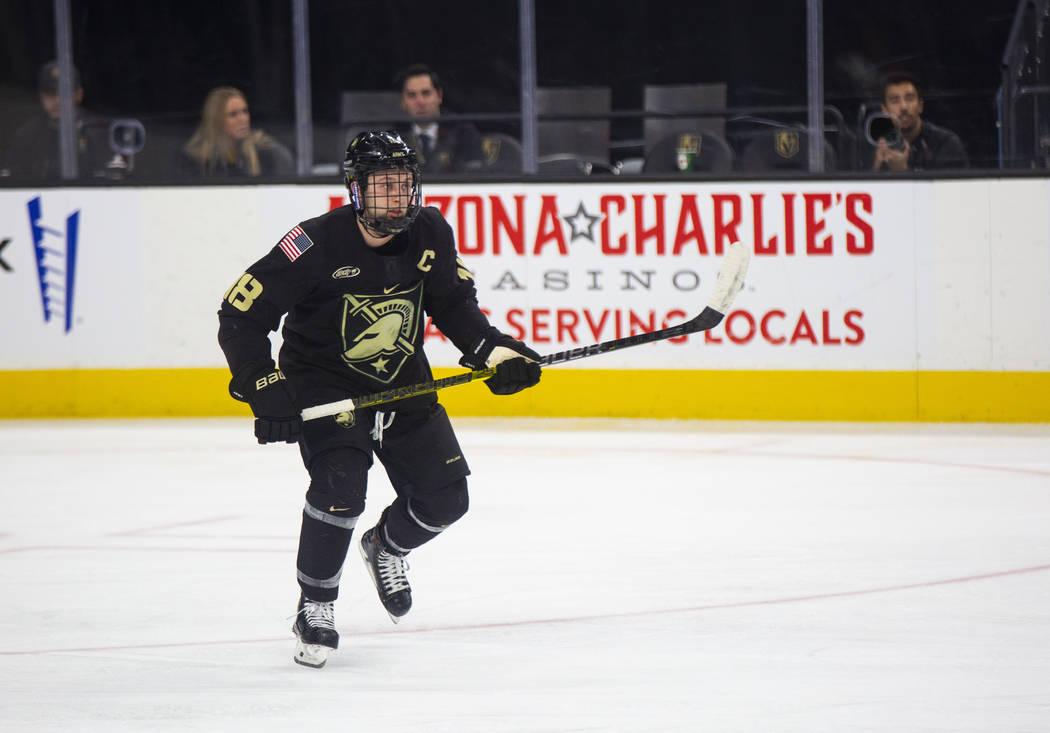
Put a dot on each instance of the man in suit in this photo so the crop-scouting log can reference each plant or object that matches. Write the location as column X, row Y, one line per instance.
column 453, row 147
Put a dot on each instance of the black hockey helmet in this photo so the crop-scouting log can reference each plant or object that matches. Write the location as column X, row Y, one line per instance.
column 374, row 151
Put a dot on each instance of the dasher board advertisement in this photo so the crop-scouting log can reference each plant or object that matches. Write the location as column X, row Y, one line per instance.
column 845, row 275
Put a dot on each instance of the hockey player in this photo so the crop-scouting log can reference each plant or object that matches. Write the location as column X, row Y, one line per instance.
column 355, row 284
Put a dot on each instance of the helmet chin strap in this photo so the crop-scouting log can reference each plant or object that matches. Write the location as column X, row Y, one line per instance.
column 372, row 231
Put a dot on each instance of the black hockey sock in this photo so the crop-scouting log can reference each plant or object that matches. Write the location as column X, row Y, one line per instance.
column 407, row 523
column 323, row 543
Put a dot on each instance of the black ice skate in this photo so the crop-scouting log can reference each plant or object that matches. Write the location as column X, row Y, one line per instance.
column 314, row 628
column 387, row 569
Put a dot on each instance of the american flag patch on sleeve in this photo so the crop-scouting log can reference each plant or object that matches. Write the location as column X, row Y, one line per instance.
column 295, row 243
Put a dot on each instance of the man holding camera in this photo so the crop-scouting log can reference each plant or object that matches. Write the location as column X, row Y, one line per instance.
column 913, row 143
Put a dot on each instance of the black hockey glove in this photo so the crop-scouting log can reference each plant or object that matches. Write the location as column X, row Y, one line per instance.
column 517, row 366
column 266, row 392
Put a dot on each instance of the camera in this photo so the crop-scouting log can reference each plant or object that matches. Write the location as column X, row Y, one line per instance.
column 881, row 126
column 126, row 138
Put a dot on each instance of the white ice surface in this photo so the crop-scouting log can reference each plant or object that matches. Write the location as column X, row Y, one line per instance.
column 610, row 576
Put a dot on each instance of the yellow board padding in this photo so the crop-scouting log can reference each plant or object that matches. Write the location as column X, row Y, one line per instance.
column 718, row 395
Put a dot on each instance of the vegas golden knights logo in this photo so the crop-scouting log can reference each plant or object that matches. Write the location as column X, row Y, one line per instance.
column 786, row 143
column 690, row 143
column 490, row 149
column 379, row 331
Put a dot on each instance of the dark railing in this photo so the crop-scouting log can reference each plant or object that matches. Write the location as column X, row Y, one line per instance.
column 1021, row 102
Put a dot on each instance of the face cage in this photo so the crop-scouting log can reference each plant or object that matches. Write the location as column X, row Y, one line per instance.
column 359, row 195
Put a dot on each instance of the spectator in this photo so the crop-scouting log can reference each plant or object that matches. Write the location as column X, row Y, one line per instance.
column 34, row 150
column 922, row 144
column 440, row 147
column 225, row 144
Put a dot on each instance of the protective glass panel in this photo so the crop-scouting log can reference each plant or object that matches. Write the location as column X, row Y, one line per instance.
column 663, row 87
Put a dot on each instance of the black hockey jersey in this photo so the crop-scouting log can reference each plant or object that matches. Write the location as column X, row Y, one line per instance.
column 355, row 314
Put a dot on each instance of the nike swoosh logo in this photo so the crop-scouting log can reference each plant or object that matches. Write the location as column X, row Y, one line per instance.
column 338, row 509
column 392, row 288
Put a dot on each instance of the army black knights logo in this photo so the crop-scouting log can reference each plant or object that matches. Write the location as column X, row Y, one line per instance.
column 379, row 331
column 786, row 143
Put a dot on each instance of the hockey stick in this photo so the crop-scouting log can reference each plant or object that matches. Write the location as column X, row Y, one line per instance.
column 728, row 283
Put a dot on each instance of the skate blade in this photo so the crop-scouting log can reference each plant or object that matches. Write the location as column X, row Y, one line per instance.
column 311, row 655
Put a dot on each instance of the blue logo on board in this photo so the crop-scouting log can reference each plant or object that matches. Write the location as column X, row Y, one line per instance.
column 56, row 263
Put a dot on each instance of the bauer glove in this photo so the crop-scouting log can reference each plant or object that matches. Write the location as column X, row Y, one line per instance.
column 517, row 366
column 266, row 392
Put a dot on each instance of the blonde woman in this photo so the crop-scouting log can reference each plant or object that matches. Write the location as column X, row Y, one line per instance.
column 225, row 144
